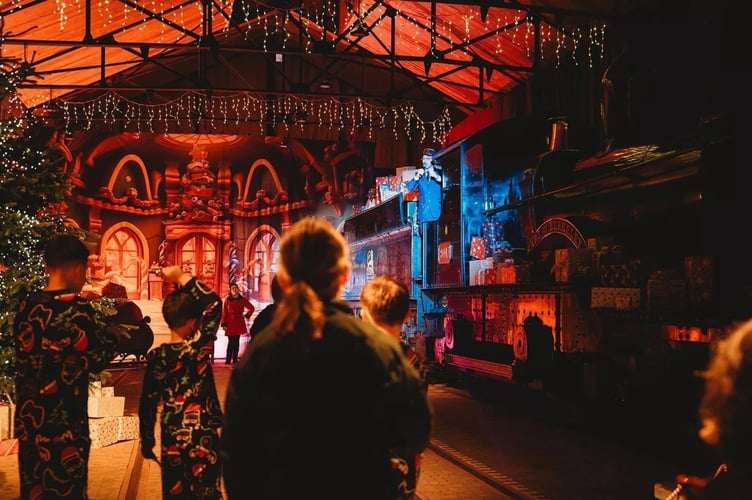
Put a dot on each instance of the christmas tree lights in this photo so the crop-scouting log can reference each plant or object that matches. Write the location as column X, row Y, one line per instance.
column 33, row 190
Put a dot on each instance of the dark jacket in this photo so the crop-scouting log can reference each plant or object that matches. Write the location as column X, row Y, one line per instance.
column 319, row 423
column 263, row 319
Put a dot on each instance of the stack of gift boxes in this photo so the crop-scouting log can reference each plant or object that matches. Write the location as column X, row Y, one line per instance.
column 492, row 261
column 107, row 424
column 7, row 409
column 626, row 284
column 618, row 279
column 406, row 174
column 389, row 186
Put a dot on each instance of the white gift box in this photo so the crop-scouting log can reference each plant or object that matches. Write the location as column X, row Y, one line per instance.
column 108, row 392
column 476, row 268
column 95, row 389
column 106, row 406
column 109, row 430
column 6, row 420
column 103, row 431
column 127, row 428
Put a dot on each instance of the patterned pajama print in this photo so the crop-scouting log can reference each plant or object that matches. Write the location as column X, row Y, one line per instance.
column 179, row 376
column 58, row 343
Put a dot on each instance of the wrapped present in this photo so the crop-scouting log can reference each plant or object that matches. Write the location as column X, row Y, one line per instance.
column 389, row 186
column 621, row 275
column 700, row 275
column 666, row 295
column 627, row 299
column 108, row 392
column 621, row 299
column 127, row 428
column 103, row 431
column 95, row 389
column 493, row 235
column 488, row 277
column 512, row 274
column 570, row 263
column 406, row 174
column 477, row 247
column 6, row 420
column 475, row 268
column 410, row 195
column 602, row 297
column 106, row 406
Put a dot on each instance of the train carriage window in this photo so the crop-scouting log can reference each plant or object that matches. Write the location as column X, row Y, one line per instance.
column 444, row 236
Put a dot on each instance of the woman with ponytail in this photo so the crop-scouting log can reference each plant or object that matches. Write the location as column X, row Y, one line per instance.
column 320, row 397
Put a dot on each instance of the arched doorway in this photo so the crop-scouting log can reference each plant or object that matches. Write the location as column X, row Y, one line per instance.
column 262, row 262
column 124, row 260
column 197, row 255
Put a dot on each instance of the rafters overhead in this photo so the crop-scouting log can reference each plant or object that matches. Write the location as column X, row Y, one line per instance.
column 430, row 54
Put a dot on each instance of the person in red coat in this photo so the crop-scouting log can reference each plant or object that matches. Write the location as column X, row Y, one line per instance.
column 235, row 311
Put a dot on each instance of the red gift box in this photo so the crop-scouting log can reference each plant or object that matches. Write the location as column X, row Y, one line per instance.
column 489, row 277
column 477, row 247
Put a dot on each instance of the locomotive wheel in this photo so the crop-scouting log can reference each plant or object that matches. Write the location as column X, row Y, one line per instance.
column 448, row 333
column 519, row 344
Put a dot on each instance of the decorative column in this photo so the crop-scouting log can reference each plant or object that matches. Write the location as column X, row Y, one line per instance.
column 233, row 274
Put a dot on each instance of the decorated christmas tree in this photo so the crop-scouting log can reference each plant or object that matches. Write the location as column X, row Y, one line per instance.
column 33, row 190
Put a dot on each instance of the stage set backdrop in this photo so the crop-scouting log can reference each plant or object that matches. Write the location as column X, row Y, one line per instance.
column 214, row 204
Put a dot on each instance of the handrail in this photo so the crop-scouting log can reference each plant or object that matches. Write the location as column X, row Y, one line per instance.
column 693, row 155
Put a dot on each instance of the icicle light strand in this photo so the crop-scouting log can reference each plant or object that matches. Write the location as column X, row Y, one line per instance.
column 213, row 113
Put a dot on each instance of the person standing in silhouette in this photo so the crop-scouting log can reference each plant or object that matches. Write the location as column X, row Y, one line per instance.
column 726, row 420
column 264, row 317
column 320, row 397
column 179, row 379
column 385, row 302
column 59, row 341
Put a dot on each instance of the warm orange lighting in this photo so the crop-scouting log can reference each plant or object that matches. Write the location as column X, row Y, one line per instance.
column 201, row 139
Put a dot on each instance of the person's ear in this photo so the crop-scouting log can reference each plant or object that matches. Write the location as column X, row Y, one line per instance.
column 364, row 315
column 344, row 275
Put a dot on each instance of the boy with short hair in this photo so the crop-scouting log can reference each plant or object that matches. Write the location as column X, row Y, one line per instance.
column 179, row 376
column 385, row 302
column 59, row 341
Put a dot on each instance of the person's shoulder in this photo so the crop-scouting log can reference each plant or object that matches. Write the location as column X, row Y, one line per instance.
column 409, row 351
column 340, row 317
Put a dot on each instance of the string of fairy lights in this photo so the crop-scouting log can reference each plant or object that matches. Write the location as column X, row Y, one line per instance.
column 510, row 28
column 210, row 113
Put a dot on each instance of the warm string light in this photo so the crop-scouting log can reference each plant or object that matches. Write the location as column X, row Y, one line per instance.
column 576, row 37
column 507, row 30
column 193, row 109
column 273, row 20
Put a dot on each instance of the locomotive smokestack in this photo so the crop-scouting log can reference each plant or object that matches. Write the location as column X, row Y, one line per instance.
column 558, row 138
